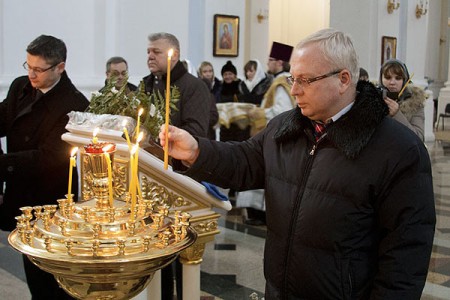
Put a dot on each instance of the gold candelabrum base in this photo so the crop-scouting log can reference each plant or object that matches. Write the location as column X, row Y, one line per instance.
column 97, row 250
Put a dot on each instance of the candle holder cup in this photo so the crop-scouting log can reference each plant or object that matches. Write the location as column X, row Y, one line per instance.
column 98, row 165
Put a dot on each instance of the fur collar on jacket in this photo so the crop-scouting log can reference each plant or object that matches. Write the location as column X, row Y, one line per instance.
column 416, row 101
column 351, row 133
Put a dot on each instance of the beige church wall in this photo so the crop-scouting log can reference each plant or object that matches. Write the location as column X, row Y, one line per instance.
column 292, row 20
column 92, row 30
column 96, row 30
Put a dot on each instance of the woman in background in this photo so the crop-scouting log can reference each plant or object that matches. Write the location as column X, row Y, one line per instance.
column 230, row 93
column 206, row 71
column 407, row 108
column 256, row 83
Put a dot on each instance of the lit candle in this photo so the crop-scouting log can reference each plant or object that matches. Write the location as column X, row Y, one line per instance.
column 166, row 145
column 110, row 180
column 136, row 163
column 94, row 135
column 72, row 164
column 127, row 136
column 140, row 112
column 133, row 183
column 131, row 167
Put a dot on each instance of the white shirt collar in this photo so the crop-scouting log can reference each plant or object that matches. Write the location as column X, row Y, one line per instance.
column 342, row 112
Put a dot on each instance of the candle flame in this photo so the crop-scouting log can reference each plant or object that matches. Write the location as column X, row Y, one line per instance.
column 124, row 123
column 74, row 151
column 140, row 136
column 140, row 112
column 170, row 53
column 134, row 149
column 96, row 130
column 107, row 148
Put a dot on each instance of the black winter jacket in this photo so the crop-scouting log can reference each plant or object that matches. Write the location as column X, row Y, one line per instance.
column 349, row 217
column 256, row 95
column 194, row 104
column 36, row 165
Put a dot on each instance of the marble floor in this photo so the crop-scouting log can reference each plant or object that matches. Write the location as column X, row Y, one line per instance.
column 232, row 264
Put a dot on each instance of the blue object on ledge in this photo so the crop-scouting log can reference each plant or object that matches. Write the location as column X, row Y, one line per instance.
column 213, row 190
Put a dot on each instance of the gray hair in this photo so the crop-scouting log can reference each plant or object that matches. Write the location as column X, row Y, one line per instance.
column 173, row 41
column 337, row 48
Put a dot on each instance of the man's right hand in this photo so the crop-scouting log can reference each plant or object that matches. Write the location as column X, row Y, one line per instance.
column 182, row 145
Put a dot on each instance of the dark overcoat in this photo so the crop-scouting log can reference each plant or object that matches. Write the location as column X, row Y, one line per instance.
column 36, row 165
column 193, row 107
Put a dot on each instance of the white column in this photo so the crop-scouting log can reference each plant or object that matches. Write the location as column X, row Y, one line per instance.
column 444, row 95
column 153, row 290
column 429, row 110
column 191, row 281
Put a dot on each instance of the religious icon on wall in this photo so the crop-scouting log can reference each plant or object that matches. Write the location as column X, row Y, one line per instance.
column 388, row 48
column 226, row 35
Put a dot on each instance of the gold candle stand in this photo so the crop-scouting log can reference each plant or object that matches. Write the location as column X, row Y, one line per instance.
column 96, row 251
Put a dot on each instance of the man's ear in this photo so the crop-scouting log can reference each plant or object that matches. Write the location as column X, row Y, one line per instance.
column 61, row 67
column 176, row 55
column 345, row 78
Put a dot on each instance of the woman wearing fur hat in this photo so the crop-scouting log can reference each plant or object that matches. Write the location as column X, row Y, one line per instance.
column 230, row 93
column 230, row 83
column 406, row 107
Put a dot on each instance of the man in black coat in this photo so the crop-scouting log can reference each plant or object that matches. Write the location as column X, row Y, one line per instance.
column 194, row 103
column 35, row 168
column 193, row 112
column 117, row 69
column 348, row 190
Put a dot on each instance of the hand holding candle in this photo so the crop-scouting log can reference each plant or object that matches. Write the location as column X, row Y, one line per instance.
column 72, row 164
column 166, row 145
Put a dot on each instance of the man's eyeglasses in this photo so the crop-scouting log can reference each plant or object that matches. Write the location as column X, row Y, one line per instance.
column 37, row 71
column 303, row 81
column 117, row 73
